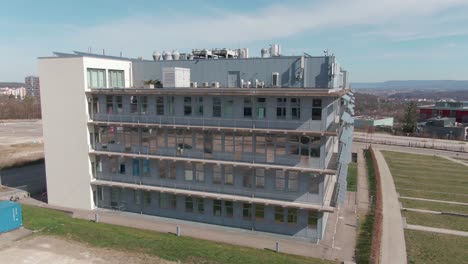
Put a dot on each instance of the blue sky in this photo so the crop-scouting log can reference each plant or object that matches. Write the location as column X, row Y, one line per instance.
column 376, row 40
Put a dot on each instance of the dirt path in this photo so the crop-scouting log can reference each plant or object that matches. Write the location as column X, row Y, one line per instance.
column 432, row 200
column 437, row 230
column 52, row 250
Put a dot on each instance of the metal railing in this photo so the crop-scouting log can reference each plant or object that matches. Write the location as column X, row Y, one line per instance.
column 290, row 196
column 211, row 122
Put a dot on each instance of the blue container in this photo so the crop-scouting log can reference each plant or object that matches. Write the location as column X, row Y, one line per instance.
column 10, row 216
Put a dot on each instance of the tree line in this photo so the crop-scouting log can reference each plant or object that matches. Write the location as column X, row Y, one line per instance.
column 12, row 108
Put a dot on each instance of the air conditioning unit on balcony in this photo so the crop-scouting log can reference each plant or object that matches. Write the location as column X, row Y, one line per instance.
column 215, row 85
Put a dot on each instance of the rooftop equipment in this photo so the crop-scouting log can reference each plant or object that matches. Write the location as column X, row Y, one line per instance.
column 166, row 55
column 275, row 50
column 156, row 55
column 264, row 53
column 175, row 77
column 175, row 55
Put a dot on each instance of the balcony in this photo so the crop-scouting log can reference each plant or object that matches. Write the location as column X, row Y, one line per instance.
column 285, row 200
column 319, row 127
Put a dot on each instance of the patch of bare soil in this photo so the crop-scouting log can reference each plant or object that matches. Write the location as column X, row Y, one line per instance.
column 53, row 250
column 18, row 154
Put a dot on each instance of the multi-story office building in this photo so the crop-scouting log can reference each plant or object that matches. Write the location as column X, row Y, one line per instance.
column 33, row 86
column 254, row 143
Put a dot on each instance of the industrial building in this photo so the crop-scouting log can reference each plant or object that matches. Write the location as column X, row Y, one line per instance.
column 443, row 128
column 364, row 122
column 445, row 108
column 212, row 136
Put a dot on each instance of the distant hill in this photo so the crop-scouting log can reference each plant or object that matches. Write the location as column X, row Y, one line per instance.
column 421, row 84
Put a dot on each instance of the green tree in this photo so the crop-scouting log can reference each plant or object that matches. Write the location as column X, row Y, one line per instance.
column 411, row 115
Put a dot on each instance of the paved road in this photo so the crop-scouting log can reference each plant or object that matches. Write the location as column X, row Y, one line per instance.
column 437, row 230
column 393, row 248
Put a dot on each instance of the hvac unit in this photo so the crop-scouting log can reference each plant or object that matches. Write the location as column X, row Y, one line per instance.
column 193, row 85
column 176, row 77
column 258, row 84
column 206, row 85
column 215, row 85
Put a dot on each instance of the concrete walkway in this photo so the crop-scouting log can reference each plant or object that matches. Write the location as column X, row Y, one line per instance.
column 421, row 211
column 431, row 200
column 455, row 160
column 393, row 248
column 437, row 230
column 324, row 250
column 363, row 184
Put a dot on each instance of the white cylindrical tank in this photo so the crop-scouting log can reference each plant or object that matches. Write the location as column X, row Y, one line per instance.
column 166, row 55
column 264, row 53
column 175, row 55
column 156, row 55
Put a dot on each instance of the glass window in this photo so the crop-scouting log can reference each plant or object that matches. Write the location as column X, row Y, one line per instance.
column 281, row 108
column 116, row 79
column 247, row 178
column 160, row 105
column 188, row 172
column 313, row 219
column 109, row 104
column 167, row 201
column 122, row 166
column 187, row 106
column 295, row 104
column 280, row 180
column 170, row 105
column 217, row 174
column 199, row 106
column 228, row 107
column 260, row 178
column 228, row 205
column 188, row 204
column 292, row 215
column 146, row 167
column 293, row 184
column 247, row 107
column 217, row 208
column 144, row 104
column 247, row 211
column 313, row 183
column 136, row 167
column 261, row 108
column 200, row 172
column 216, row 107
column 137, row 197
column 317, row 109
column 228, row 177
column 200, row 205
column 96, row 78
column 279, row 214
column 259, row 212
column 118, row 101
column 147, row 199
column 134, row 104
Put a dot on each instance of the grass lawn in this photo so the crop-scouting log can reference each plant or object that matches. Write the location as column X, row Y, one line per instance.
column 352, row 177
column 441, row 207
column 426, row 176
column 435, row 220
column 166, row 246
column 437, row 248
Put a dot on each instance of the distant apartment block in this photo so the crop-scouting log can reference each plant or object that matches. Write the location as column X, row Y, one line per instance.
column 33, row 86
column 451, row 109
column 212, row 136
column 17, row 90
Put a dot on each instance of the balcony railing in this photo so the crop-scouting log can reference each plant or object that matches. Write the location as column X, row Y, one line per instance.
column 244, row 157
column 298, row 197
column 307, row 125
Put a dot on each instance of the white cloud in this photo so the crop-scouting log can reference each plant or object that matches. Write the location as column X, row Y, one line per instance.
column 225, row 28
